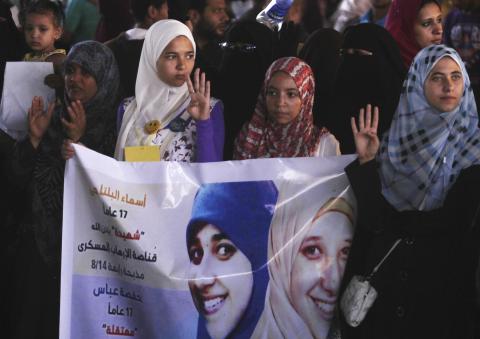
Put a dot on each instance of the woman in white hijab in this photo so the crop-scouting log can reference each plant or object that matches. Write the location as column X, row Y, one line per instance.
column 168, row 111
column 309, row 241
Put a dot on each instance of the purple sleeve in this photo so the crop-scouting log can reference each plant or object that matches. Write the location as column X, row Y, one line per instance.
column 120, row 113
column 211, row 136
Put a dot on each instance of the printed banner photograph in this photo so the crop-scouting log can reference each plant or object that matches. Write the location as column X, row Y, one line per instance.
column 238, row 249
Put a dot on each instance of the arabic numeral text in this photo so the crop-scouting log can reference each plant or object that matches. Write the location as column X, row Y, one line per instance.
column 123, row 214
column 99, row 264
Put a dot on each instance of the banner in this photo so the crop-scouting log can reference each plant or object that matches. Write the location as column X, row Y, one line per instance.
column 244, row 249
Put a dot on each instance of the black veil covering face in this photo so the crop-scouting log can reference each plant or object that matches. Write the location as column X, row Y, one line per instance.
column 371, row 71
column 322, row 52
column 248, row 52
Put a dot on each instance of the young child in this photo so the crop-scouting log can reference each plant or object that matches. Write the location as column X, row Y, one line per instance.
column 42, row 23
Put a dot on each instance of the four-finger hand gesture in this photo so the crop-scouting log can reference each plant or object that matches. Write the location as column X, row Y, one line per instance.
column 38, row 120
column 75, row 128
column 365, row 136
column 199, row 107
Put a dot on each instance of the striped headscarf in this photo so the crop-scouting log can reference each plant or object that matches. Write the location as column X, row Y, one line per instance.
column 424, row 151
column 264, row 138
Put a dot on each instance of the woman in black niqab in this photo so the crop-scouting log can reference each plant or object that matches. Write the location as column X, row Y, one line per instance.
column 322, row 52
column 248, row 52
column 371, row 71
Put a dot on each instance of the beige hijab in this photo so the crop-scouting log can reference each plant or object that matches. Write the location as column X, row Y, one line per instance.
column 295, row 212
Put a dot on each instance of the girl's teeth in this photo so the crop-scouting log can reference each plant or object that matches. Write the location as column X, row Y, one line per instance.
column 213, row 305
column 327, row 308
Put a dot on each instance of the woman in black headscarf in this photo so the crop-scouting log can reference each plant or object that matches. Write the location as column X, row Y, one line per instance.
column 249, row 51
column 88, row 116
column 322, row 52
column 371, row 71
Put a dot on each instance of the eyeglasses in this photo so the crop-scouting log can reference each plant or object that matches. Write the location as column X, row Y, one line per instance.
column 355, row 51
column 237, row 46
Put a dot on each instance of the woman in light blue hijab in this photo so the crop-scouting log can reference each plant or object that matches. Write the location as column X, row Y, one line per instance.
column 421, row 189
column 426, row 147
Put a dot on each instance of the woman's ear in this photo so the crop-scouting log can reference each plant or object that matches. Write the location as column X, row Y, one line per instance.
column 194, row 16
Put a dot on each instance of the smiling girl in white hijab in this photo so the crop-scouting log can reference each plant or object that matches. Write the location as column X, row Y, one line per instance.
column 309, row 240
column 169, row 115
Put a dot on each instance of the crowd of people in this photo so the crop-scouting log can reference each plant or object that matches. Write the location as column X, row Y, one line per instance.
column 394, row 81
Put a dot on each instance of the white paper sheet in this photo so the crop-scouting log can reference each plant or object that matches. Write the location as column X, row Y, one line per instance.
column 23, row 80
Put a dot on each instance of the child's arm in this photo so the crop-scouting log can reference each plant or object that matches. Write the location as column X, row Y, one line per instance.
column 56, row 80
column 57, row 60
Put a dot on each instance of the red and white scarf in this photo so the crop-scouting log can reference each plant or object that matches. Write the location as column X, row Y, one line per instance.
column 264, row 138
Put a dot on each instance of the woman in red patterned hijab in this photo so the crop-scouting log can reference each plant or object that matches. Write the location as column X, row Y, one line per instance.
column 282, row 124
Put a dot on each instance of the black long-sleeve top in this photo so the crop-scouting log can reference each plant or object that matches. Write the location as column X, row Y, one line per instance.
column 426, row 287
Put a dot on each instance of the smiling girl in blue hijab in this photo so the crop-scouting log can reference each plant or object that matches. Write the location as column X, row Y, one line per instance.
column 227, row 240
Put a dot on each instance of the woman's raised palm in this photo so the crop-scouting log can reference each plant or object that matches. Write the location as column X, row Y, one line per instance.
column 365, row 136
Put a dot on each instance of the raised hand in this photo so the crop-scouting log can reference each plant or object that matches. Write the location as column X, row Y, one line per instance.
column 38, row 120
column 199, row 107
column 75, row 128
column 365, row 136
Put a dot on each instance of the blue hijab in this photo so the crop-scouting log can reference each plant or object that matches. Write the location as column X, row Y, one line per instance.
column 243, row 211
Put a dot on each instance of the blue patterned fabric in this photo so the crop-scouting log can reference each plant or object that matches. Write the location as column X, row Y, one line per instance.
column 424, row 151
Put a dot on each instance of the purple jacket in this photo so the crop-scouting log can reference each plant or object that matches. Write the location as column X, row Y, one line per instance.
column 210, row 133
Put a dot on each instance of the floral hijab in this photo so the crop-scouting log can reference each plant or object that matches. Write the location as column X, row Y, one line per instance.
column 425, row 150
column 264, row 138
